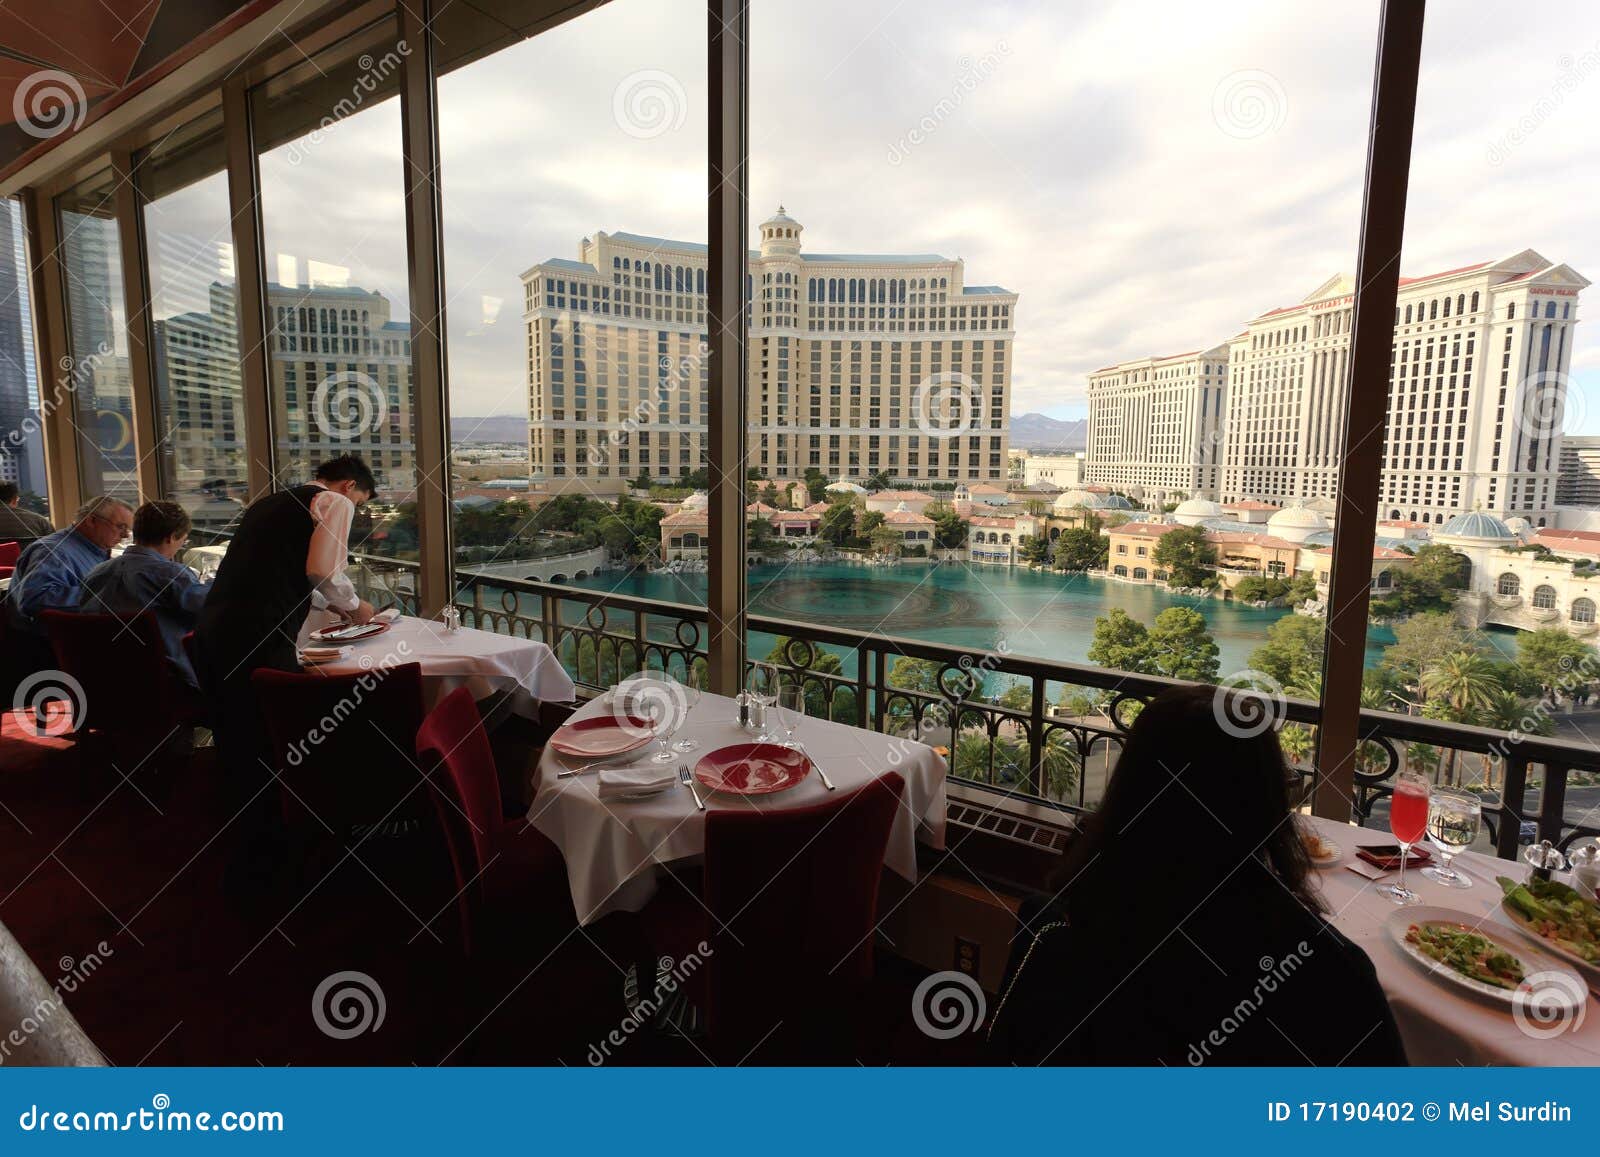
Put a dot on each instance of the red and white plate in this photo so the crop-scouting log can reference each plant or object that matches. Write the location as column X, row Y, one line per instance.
column 348, row 633
column 752, row 768
column 603, row 735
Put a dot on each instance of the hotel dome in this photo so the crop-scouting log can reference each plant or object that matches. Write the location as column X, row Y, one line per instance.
column 1195, row 511
column 1477, row 524
column 1295, row 523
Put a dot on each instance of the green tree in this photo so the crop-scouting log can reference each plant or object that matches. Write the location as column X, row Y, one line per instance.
column 886, row 540
column 1017, row 697
column 949, row 531
column 838, row 523
column 1179, row 645
column 867, row 522
column 1292, row 653
column 1258, row 589
column 1297, row 743
column 1464, row 681
column 1121, row 642
column 1185, row 555
column 1430, row 583
column 1082, row 548
column 878, row 480
column 1034, row 549
column 1557, row 660
column 816, row 484
column 769, row 494
column 841, row 707
column 1420, row 642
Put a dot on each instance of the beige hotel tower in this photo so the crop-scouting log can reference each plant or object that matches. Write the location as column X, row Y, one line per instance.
column 853, row 362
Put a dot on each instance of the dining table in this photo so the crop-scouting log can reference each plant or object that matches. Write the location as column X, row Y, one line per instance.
column 616, row 850
column 1440, row 1022
column 506, row 674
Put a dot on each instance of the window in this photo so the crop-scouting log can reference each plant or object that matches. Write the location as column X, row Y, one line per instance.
column 194, row 352
column 1509, row 584
column 1544, row 597
column 1583, row 610
column 97, row 340
column 337, row 297
column 21, row 439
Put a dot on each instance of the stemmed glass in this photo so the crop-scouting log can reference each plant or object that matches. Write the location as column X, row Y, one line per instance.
column 1408, row 820
column 791, row 709
column 691, row 681
column 1453, row 819
column 762, row 683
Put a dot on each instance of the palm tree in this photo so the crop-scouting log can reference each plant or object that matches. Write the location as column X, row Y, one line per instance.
column 1459, row 687
column 1296, row 742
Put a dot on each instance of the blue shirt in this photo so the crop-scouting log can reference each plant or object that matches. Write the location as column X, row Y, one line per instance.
column 48, row 576
column 141, row 579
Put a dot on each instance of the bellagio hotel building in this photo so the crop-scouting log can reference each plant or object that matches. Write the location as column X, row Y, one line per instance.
column 858, row 363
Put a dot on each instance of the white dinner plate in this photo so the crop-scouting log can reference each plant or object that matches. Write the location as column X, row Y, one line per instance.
column 1559, row 985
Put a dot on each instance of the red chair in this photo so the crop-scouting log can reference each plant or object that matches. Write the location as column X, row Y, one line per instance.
column 343, row 745
column 129, row 691
column 788, row 907
column 506, row 871
column 9, row 553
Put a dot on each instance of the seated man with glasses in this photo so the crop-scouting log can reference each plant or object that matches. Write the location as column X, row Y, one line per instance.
column 148, row 577
column 50, row 573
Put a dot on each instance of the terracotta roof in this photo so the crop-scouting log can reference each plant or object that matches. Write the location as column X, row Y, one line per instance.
column 687, row 518
column 1144, row 529
column 906, row 518
column 1401, row 522
column 1249, row 506
column 902, row 495
column 1579, row 541
column 1247, row 538
column 999, row 522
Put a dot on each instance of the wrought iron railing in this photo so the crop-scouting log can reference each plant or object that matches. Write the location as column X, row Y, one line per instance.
column 1049, row 751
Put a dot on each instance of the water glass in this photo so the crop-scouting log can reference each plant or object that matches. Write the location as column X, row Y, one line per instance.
column 791, row 709
column 691, row 684
column 762, row 683
column 1454, row 817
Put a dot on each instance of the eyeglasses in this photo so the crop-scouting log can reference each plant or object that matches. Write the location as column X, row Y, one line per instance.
column 123, row 528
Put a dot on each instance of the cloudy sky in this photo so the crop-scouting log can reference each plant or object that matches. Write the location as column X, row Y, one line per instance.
column 1148, row 176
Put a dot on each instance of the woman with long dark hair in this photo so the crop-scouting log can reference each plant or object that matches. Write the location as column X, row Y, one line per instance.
column 1185, row 926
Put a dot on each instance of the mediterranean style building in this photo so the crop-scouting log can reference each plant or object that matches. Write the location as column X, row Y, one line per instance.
column 1156, row 423
column 1477, row 392
column 858, row 363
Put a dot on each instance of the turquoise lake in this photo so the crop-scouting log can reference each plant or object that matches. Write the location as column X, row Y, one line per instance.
column 1048, row 616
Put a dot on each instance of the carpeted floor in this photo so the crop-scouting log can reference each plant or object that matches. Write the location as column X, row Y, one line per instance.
column 116, row 877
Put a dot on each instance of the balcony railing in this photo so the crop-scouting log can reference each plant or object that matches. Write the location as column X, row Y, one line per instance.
column 1035, row 754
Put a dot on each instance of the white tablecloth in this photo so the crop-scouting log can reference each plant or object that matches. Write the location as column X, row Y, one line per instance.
column 525, row 671
column 614, row 850
column 1440, row 1024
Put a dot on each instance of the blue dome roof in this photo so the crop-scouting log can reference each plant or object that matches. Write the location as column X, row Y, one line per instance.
column 1114, row 502
column 1477, row 524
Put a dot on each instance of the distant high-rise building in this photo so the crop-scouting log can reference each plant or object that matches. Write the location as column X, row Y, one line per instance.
column 1155, row 424
column 858, row 363
column 20, row 447
column 1579, row 481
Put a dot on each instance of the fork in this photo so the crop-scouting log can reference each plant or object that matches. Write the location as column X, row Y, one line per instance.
column 687, row 777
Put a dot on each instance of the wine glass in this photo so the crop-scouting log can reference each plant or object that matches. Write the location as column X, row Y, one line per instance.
column 691, row 681
column 1408, row 820
column 1453, row 819
column 791, row 709
column 762, row 683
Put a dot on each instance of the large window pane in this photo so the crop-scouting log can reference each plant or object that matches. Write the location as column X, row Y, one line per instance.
column 193, row 327
column 338, row 305
column 102, row 414
column 576, row 263
column 1485, row 581
column 21, row 444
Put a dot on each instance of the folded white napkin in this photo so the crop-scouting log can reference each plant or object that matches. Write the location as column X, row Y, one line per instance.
column 616, row 782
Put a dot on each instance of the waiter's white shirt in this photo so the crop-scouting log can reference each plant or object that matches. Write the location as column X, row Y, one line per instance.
column 329, row 552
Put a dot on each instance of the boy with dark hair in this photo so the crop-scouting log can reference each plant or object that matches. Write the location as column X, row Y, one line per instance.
column 17, row 524
column 148, row 577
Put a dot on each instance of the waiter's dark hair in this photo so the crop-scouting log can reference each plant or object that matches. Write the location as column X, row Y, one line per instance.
column 8, row 492
column 155, row 522
column 348, row 468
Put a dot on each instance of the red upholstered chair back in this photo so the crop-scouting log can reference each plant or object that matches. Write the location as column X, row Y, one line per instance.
column 792, row 898
column 9, row 553
column 453, row 747
column 343, row 744
column 129, row 688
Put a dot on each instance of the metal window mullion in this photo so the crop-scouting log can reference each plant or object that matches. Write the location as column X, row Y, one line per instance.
column 250, row 278
column 142, row 404
column 1394, row 102
column 728, row 122
column 430, row 383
